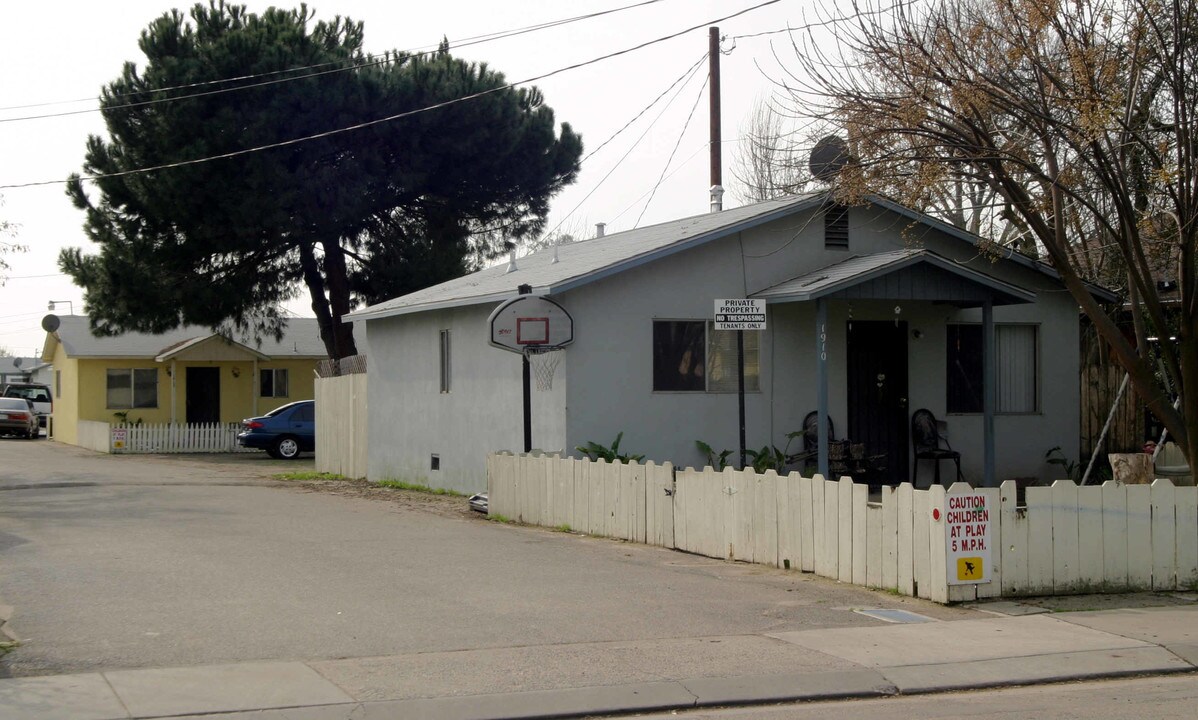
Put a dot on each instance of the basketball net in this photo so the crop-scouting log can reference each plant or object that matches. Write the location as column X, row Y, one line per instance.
column 543, row 361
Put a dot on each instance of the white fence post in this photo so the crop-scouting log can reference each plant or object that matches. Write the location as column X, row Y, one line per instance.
column 1164, row 535
column 904, row 508
column 1040, row 556
column 1114, row 536
column 1139, row 537
column 1090, row 538
column 1187, row 538
column 1065, row 552
column 858, row 570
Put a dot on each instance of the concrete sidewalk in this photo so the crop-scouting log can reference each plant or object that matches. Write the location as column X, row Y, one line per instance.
column 638, row 676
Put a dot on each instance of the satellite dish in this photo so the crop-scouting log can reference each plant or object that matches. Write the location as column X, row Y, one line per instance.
column 50, row 323
column 16, row 362
column 828, row 158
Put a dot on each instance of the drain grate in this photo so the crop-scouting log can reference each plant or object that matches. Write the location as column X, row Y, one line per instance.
column 894, row 616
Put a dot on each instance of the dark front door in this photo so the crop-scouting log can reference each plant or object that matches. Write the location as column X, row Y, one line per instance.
column 877, row 385
column 203, row 395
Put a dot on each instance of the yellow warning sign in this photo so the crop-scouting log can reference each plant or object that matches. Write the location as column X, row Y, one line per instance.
column 970, row 569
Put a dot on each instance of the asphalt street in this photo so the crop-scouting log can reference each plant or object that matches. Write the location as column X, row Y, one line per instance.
column 121, row 562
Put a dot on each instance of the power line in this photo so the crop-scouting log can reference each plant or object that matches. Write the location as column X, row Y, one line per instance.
column 678, row 142
column 397, row 116
column 34, row 277
column 691, row 73
column 686, row 74
column 857, row 13
column 476, row 40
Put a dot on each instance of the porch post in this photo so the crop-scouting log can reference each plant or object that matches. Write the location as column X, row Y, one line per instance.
column 821, row 357
column 255, row 387
column 174, row 372
column 988, row 393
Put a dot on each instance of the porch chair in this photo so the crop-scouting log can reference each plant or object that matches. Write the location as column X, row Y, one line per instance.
column 930, row 444
column 810, row 455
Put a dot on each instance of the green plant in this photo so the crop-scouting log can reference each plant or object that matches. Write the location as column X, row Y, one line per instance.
column 1055, row 456
column 308, row 475
column 717, row 462
column 771, row 458
column 122, row 418
column 564, row 528
column 415, row 487
column 767, row 458
column 496, row 517
column 595, row 451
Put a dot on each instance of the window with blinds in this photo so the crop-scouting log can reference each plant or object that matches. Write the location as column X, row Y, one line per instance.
column 692, row 356
column 1015, row 368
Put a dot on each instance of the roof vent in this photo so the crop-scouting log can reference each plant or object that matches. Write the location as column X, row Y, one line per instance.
column 511, row 263
column 717, row 198
column 600, row 229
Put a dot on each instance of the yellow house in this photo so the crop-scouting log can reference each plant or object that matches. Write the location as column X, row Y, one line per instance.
column 189, row 375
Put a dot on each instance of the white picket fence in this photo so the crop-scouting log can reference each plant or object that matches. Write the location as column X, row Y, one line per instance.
column 1067, row 539
column 170, row 438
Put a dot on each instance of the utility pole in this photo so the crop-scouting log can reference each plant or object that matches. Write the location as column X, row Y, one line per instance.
column 717, row 164
column 717, row 205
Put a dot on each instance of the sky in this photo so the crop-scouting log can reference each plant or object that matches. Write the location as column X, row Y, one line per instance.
column 65, row 50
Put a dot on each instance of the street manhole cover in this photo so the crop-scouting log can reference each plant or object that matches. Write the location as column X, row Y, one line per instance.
column 894, row 616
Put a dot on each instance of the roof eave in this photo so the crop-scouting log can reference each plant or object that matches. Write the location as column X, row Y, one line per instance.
column 1095, row 289
column 367, row 314
column 993, row 284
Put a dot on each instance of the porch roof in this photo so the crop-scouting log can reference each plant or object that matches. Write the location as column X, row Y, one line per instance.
column 907, row 274
column 211, row 348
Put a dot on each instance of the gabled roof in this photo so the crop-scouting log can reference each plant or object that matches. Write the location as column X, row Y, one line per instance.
column 552, row 271
column 585, row 261
column 1096, row 290
column 180, row 350
column 300, row 340
column 899, row 274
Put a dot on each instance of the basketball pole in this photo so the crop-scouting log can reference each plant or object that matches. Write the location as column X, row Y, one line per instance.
column 526, row 375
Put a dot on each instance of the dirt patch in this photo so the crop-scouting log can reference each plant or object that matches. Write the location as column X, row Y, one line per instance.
column 444, row 505
column 1086, row 603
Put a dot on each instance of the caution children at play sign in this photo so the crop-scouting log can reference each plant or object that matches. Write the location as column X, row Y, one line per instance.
column 967, row 522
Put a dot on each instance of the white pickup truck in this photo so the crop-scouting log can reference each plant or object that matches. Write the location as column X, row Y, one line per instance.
column 43, row 405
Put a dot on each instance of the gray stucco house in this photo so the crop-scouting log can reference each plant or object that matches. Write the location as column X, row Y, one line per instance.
column 893, row 301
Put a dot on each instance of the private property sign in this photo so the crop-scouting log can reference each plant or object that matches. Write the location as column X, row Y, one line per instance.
column 739, row 314
column 967, row 523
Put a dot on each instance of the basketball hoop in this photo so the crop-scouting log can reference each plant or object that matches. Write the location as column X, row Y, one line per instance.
column 543, row 359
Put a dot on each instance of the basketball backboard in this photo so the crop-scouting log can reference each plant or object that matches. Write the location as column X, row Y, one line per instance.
column 529, row 322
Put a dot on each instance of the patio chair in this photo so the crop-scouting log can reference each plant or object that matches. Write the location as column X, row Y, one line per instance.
column 930, row 444
column 810, row 454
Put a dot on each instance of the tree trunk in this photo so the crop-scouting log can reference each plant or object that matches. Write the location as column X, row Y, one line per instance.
column 338, row 285
column 336, row 336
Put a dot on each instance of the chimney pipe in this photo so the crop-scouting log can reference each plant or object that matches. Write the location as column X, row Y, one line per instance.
column 600, row 229
column 511, row 263
column 717, row 198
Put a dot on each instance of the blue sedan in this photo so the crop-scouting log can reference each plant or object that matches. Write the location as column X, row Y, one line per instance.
column 284, row 432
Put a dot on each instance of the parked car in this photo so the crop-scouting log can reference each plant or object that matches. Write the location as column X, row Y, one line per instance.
column 17, row 417
column 284, row 432
column 43, row 404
